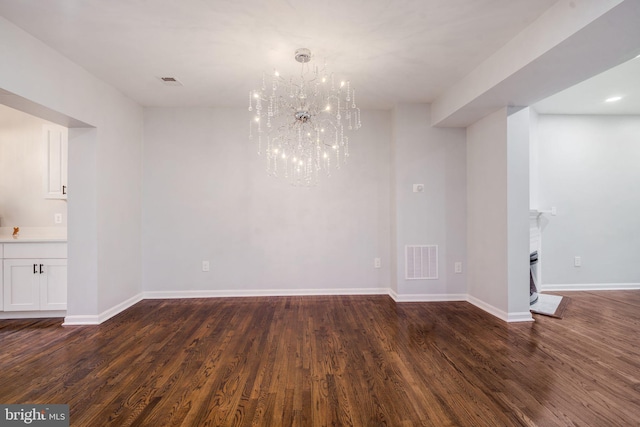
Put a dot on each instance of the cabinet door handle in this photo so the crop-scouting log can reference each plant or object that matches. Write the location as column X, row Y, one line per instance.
column 41, row 269
column 64, row 189
column 35, row 268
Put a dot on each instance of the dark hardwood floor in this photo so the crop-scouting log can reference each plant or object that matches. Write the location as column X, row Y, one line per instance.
column 320, row 361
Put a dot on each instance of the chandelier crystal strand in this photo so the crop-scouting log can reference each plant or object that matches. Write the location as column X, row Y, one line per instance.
column 304, row 119
column 346, row 148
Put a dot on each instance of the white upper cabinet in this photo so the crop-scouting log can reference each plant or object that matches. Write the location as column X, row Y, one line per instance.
column 56, row 140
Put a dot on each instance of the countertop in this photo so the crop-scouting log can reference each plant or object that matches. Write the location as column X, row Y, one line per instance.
column 33, row 235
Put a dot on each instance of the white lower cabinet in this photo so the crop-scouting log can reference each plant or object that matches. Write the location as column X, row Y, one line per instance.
column 53, row 285
column 35, row 284
column 21, row 286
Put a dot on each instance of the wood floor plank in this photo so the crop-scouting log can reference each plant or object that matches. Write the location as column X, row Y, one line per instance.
column 332, row 360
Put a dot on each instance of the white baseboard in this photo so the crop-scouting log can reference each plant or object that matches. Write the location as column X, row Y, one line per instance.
column 81, row 320
column 524, row 316
column 6, row 315
column 105, row 315
column 261, row 293
column 488, row 308
column 426, row 297
column 590, row 287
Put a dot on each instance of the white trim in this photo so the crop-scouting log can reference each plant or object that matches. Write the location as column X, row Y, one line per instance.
column 590, row 287
column 522, row 316
column 261, row 293
column 107, row 314
column 104, row 316
column 7, row 315
column 427, row 297
column 117, row 309
column 488, row 308
column 81, row 320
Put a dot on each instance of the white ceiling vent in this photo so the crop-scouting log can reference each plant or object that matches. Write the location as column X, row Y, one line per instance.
column 421, row 262
column 171, row 81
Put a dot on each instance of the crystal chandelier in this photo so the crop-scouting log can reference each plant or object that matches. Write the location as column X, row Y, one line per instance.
column 300, row 122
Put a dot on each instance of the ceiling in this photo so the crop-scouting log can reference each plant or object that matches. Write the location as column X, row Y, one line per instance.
column 589, row 96
column 391, row 50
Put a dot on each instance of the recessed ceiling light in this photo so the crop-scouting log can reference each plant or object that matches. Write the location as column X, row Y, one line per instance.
column 613, row 99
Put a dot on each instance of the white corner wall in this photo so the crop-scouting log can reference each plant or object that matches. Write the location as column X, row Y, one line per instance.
column 498, row 214
column 436, row 158
column 487, row 213
column 105, row 165
column 519, row 124
column 208, row 197
column 588, row 170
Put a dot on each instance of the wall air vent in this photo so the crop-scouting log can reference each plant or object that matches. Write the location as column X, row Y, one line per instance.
column 421, row 262
column 171, row 81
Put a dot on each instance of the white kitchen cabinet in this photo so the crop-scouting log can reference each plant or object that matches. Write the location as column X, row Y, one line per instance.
column 56, row 140
column 21, row 285
column 53, row 285
column 34, row 277
column 35, row 284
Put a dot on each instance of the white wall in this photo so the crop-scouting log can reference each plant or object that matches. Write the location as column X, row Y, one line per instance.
column 23, row 170
column 393, row 215
column 435, row 157
column 498, row 214
column 589, row 171
column 519, row 124
column 105, row 166
column 534, row 162
column 487, row 212
column 207, row 196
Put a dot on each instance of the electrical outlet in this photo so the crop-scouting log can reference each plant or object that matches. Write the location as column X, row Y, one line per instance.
column 577, row 262
column 458, row 267
column 205, row 265
column 418, row 188
column 376, row 263
column 57, row 218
